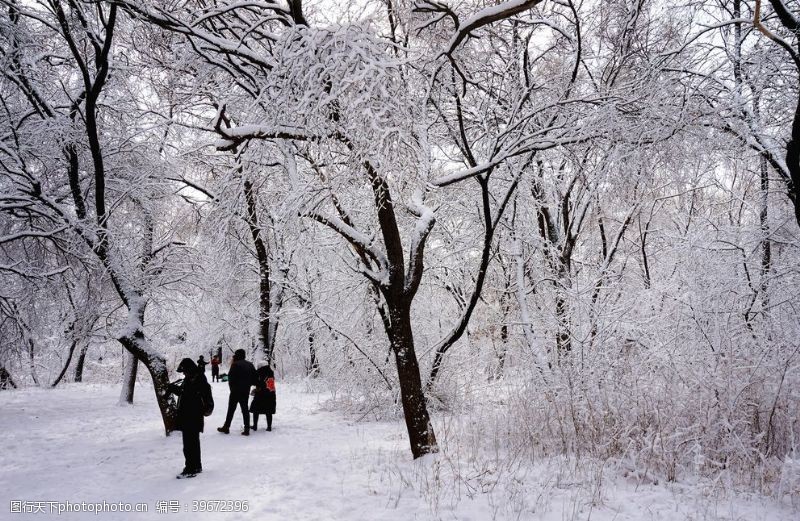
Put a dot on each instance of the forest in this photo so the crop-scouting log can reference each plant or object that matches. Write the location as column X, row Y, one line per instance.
column 541, row 228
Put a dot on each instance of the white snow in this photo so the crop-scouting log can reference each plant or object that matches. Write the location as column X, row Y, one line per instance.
column 74, row 443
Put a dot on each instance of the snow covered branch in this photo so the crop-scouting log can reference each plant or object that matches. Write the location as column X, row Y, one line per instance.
column 487, row 16
column 425, row 221
column 357, row 239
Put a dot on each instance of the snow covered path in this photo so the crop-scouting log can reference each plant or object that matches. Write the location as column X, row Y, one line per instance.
column 75, row 444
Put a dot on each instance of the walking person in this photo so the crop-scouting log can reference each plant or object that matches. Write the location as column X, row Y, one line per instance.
column 241, row 377
column 264, row 396
column 214, row 368
column 193, row 394
column 201, row 364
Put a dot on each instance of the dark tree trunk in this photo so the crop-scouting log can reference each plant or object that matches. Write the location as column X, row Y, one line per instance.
column 262, row 256
column 793, row 162
column 766, row 245
column 489, row 228
column 32, row 359
column 313, row 362
column 6, row 380
column 60, row 376
column 505, row 306
column 563, row 335
column 157, row 367
column 81, row 362
column 418, row 423
column 790, row 22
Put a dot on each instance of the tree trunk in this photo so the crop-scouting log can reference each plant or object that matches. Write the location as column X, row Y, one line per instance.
column 157, row 367
column 135, row 342
column 262, row 256
column 505, row 307
column 80, row 363
column 766, row 245
column 32, row 358
column 60, row 376
column 5, row 379
column 418, row 423
column 313, row 362
column 563, row 336
column 522, row 303
column 129, row 370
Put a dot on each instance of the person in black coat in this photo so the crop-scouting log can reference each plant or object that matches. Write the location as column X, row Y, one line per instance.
column 263, row 396
column 189, row 418
column 241, row 376
column 201, row 364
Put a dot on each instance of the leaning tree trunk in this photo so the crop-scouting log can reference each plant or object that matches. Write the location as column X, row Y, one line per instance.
column 157, row 367
column 129, row 370
column 60, row 376
column 135, row 342
column 418, row 422
column 80, row 363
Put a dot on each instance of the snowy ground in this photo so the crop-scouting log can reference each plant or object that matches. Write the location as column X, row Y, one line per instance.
column 75, row 444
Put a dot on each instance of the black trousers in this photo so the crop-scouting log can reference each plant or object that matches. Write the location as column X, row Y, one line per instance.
column 191, row 450
column 240, row 399
column 269, row 420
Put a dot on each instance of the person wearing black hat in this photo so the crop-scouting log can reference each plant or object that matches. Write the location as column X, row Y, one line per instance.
column 241, row 376
column 190, row 391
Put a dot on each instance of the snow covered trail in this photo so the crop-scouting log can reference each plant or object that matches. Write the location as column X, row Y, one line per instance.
column 75, row 444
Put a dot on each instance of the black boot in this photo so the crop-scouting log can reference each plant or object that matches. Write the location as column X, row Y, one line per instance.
column 187, row 473
column 223, row 430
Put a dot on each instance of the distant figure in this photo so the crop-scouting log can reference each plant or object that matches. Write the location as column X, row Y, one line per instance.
column 214, row 368
column 241, row 377
column 264, row 396
column 191, row 391
column 201, row 364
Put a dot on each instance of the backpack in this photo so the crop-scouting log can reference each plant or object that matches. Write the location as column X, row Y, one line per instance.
column 207, row 401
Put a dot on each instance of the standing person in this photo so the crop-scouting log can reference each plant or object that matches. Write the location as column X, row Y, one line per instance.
column 201, row 364
column 241, row 377
column 214, row 368
column 191, row 392
column 264, row 396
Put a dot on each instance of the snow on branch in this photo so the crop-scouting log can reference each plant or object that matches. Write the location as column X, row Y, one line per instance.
column 460, row 175
column 788, row 21
column 359, row 241
column 28, row 233
column 487, row 16
column 426, row 220
column 225, row 9
column 220, row 45
column 786, row 17
column 234, row 136
column 12, row 268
